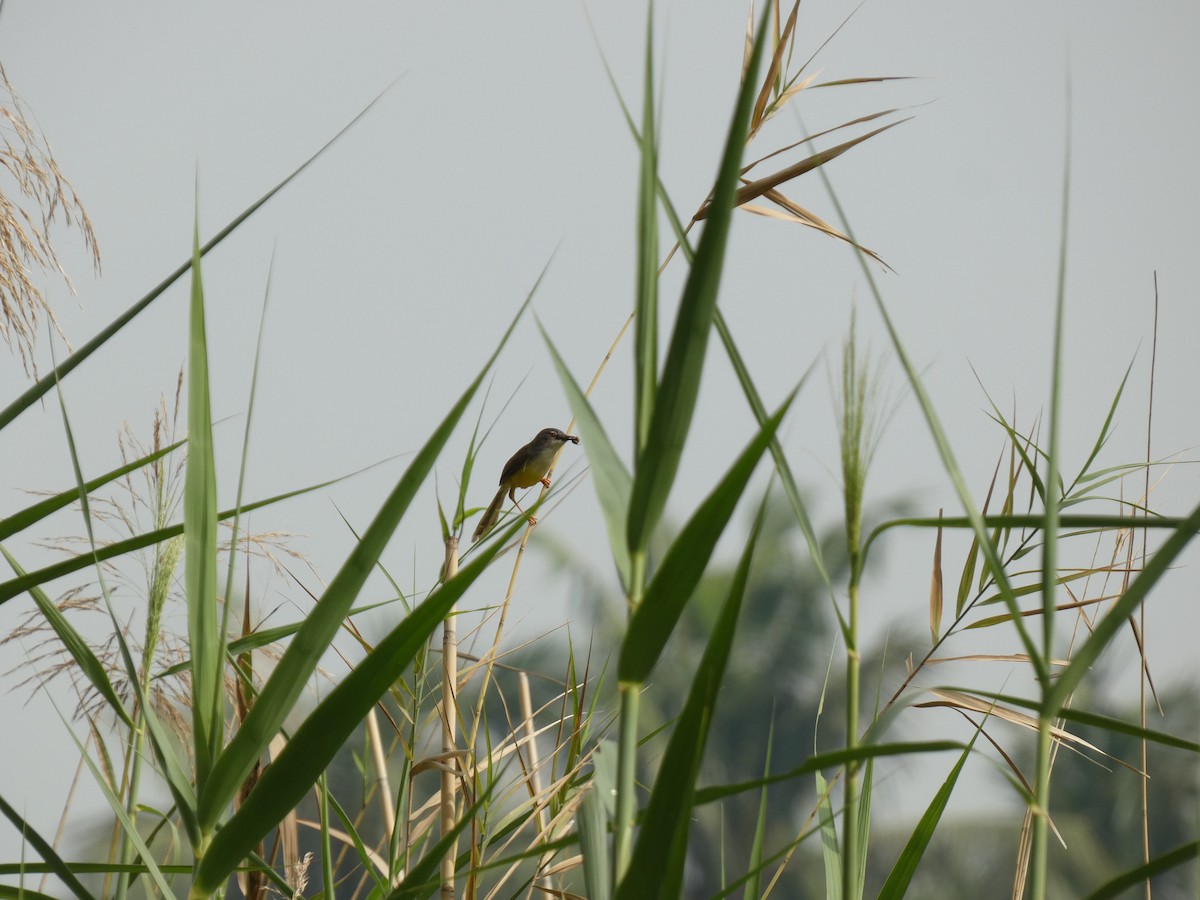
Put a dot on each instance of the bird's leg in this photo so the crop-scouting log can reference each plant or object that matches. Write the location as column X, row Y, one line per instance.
column 545, row 482
column 512, row 495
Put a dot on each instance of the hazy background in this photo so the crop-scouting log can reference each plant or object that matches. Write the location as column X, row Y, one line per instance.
column 403, row 253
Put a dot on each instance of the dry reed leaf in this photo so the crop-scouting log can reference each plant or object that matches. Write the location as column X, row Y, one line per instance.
column 1037, row 611
column 864, row 80
column 798, row 214
column 820, row 134
column 990, row 657
column 377, row 861
column 761, row 186
column 959, row 700
column 773, row 70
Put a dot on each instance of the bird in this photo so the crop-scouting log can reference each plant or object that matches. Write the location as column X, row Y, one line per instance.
column 528, row 466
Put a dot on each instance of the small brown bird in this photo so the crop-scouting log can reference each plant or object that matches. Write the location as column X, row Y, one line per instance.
column 528, row 466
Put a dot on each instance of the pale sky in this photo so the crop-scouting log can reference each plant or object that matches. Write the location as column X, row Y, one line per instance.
column 402, row 254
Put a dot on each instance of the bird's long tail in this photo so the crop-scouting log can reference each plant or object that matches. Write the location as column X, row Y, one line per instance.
column 490, row 516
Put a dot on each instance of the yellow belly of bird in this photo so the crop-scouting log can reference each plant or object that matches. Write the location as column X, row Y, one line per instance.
column 533, row 471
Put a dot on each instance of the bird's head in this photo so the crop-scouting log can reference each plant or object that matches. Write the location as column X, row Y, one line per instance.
column 549, row 437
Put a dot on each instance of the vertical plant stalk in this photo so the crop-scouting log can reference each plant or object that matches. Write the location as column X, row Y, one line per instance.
column 626, row 809
column 165, row 564
column 535, row 777
column 449, row 726
column 1049, row 711
column 379, row 760
column 1142, row 671
column 856, row 440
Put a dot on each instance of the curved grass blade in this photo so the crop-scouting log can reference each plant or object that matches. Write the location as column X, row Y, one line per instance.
column 314, row 744
column 656, row 869
column 19, row 521
column 46, row 851
column 1135, row 876
column 613, row 481
column 298, row 662
column 675, row 399
column 819, row 761
column 22, row 893
column 31, row 396
column 672, row 585
column 79, row 649
column 1094, row 720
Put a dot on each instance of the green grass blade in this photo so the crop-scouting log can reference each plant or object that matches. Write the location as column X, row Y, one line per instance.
column 683, row 565
column 613, row 481
column 315, row 743
column 200, row 543
column 366, row 863
column 902, row 872
column 593, row 828
column 1135, row 876
column 1105, row 431
column 46, row 851
column 34, row 393
column 756, row 863
column 831, row 854
column 646, row 315
column 656, row 869
column 864, row 827
column 675, row 400
column 22, row 893
column 298, row 662
column 19, row 521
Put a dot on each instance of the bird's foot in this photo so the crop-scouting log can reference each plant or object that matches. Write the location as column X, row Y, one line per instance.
column 546, row 481
column 532, row 520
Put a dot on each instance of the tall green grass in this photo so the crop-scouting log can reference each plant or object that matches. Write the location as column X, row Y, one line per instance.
column 568, row 796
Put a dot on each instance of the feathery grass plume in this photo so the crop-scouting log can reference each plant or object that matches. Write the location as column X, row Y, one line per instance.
column 25, row 244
